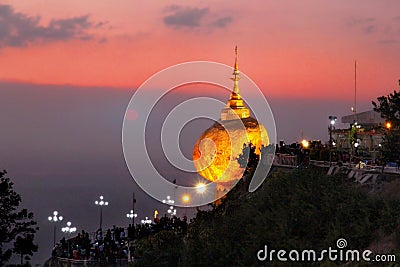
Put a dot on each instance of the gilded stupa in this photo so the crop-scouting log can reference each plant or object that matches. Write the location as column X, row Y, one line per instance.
column 216, row 151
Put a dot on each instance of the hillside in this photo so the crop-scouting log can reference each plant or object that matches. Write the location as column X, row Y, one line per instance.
column 300, row 209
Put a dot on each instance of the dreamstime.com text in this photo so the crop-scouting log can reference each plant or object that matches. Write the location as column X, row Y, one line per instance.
column 331, row 254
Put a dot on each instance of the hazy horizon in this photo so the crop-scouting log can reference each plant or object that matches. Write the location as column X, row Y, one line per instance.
column 69, row 68
column 61, row 145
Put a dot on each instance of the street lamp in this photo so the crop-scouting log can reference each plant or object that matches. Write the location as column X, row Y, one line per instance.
column 171, row 211
column 201, row 188
column 68, row 229
column 305, row 144
column 146, row 221
column 185, row 199
column 168, row 201
column 132, row 216
column 101, row 203
column 332, row 120
column 54, row 219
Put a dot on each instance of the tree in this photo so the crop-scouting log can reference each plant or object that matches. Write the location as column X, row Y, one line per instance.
column 389, row 108
column 15, row 224
column 353, row 137
column 24, row 246
column 248, row 159
column 298, row 209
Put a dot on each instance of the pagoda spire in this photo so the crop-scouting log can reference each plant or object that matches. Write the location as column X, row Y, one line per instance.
column 236, row 72
column 235, row 107
column 236, row 68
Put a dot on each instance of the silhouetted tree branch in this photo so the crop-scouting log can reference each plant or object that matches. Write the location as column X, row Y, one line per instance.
column 15, row 224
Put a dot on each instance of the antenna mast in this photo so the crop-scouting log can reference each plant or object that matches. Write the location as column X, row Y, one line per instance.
column 355, row 91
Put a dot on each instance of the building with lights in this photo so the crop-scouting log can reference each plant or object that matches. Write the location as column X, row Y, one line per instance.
column 369, row 128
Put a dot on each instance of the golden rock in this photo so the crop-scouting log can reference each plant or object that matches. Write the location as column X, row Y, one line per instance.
column 216, row 151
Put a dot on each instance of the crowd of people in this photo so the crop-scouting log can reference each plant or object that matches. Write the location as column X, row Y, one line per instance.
column 164, row 223
column 106, row 247
column 114, row 244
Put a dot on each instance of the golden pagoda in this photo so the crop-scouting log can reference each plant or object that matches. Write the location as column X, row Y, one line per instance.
column 216, row 151
column 235, row 107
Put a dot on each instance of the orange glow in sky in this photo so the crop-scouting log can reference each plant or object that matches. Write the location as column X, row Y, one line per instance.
column 298, row 49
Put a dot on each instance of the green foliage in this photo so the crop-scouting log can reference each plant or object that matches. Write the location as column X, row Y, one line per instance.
column 299, row 210
column 389, row 108
column 25, row 246
column 160, row 249
column 15, row 224
column 390, row 149
column 324, row 154
column 249, row 158
column 314, row 154
column 353, row 135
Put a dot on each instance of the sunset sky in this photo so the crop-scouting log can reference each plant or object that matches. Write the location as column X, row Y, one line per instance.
column 302, row 49
column 69, row 68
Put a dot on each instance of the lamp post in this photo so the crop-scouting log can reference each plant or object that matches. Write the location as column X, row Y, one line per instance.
column 54, row 219
column 133, row 208
column 68, row 230
column 101, row 203
column 168, row 201
column 305, row 152
column 356, row 145
column 201, row 189
column 171, row 210
column 132, row 216
column 332, row 120
column 305, row 144
column 185, row 199
column 146, row 221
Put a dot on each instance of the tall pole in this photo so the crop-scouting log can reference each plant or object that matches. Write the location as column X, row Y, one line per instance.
column 101, row 217
column 354, row 111
column 54, row 235
column 69, row 230
column 101, row 203
column 175, row 187
column 56, row 217
column 355, row 91
column 332, row 122
column 133, row 208
column 330, row 143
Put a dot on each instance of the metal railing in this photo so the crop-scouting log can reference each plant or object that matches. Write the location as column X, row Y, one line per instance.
column 64, row 262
